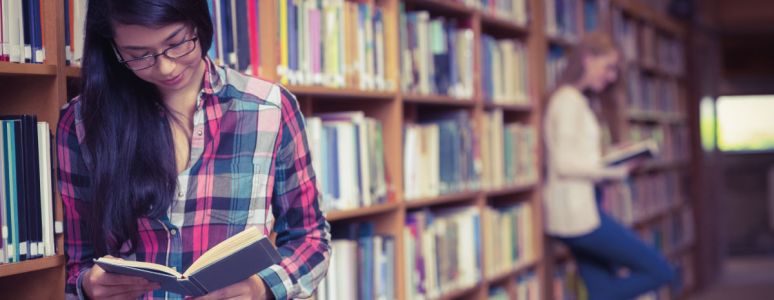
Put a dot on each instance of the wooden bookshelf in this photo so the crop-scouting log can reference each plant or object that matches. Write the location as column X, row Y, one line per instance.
column 392, row 108
column 38, row 89
column 441, row 200
column 32, row 265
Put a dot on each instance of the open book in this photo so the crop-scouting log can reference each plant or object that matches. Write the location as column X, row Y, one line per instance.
column 233, row 260
column 646, row 149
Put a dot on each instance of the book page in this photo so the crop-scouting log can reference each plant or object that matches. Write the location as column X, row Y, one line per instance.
column 250, row 235
column 140, row 265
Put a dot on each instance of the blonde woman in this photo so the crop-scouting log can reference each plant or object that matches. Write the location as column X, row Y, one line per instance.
column 573, row 135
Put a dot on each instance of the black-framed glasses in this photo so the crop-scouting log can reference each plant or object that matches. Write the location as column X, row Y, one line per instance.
column 174, row 52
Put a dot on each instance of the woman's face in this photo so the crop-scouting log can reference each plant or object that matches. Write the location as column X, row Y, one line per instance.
column 172, row 72
column 601, row 70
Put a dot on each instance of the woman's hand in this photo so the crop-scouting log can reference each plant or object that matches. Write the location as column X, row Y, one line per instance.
column 252, row 288
column 98, row 284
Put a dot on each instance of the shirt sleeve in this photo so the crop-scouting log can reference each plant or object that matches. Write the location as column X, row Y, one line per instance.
column 73, row 180
column 303, row 234
column 567, row 128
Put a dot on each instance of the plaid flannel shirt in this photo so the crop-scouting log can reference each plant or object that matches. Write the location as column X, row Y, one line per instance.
column 250, row 165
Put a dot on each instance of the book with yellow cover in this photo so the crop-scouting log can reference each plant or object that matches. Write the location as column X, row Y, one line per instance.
column 233, row 260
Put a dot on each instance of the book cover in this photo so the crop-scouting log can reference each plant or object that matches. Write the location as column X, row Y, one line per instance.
column 229, row 262
column 646, row 149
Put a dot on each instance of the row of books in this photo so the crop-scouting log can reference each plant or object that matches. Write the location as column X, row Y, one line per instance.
column 562, row 19
column 643, row 196
column 642, row 43
column 674, row 140
column 75, row 25
column 516, row 11
column 442, row 251
column 510, row 238
column 509, row 152
column 566, row 283
column 504, row 71
column 348, row 155
column 236, row 28
column 671, row 54
column 436, row 55
column 362, row 265
column 591, row 16
column 677, row 143
column 333, row 43
column 440, row 155
column 527, row 288
column 556, row 61
column 671, row 233
column 26, row 189
column 21, row 31
column 652, row 94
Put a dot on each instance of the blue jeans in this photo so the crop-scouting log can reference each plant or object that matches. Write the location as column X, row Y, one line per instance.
column 602, row 252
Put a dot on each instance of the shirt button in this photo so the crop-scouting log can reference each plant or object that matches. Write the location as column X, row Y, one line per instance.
column 180, row 194
column 199, row 132
column 173, row 231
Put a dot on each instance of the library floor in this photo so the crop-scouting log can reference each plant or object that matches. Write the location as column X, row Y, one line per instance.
column 747, row 278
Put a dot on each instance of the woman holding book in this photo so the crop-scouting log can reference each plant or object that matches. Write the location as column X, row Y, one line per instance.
column 164, row 155
column 573, row 135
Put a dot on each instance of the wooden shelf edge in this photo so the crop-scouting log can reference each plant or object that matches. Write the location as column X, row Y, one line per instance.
column 525, row 108
column 361, row 212
column 442, row 199
column 31, row 265
column 512, row 189
column 460, row 292
column 445, row 6
column 73, row 72
column 7, row 68
column 340, row 92
column 518, row 270
column 491, row 20
column 437, row 100
column 659, row 215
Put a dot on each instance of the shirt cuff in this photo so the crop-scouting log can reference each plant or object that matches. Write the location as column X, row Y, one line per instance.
column 277, row 280
column 79, row 285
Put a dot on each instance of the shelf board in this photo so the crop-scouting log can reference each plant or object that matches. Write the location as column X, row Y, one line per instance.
column 513, row 189
column 459, row 292
column 443, row 6
column 437, row 100
column 361, row 212
column 31, row 265
column 489, row 20
column 521, row 108
column 518, row 270
column 657, row 216
column 641, row 11
column 15, row 69
column 656, row 117
column 73, row 72
column 340, row 93
column 442, row 199
column 560, row 41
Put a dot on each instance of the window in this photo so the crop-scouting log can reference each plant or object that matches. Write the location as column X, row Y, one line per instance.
column 745, row 123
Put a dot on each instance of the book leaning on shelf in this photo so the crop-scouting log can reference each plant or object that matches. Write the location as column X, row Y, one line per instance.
column 631, row 153
column 233, row 260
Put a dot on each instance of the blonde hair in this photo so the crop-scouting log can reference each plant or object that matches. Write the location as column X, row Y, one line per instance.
column 608, row 108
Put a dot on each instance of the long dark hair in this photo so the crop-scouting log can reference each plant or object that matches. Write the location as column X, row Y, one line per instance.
column 128, row 138
column 608, row 108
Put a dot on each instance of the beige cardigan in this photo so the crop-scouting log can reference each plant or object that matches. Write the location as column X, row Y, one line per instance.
column 574, row 161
